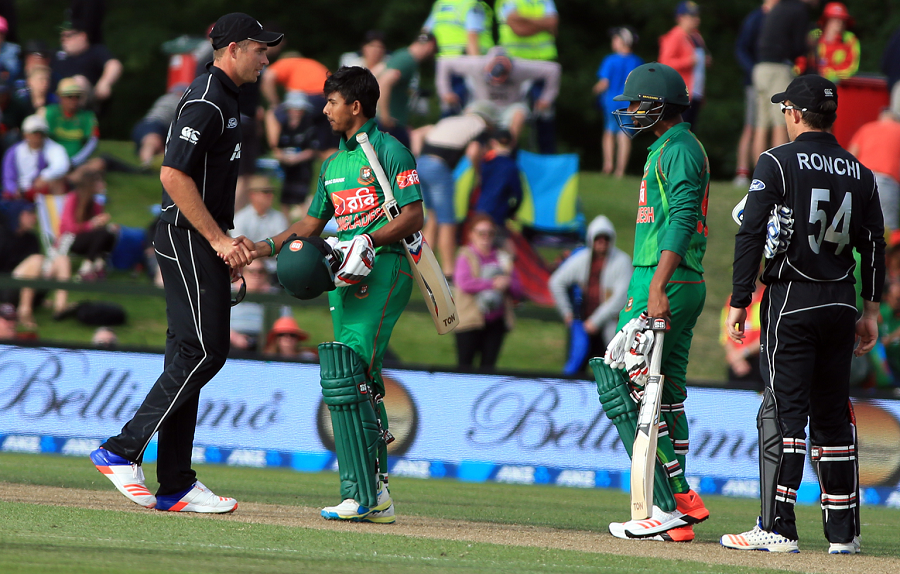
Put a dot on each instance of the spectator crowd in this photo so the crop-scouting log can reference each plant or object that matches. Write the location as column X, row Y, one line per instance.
column 496, row 78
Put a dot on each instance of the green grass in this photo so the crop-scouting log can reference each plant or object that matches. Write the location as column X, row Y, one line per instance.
column 533, row 345
column 39, row 538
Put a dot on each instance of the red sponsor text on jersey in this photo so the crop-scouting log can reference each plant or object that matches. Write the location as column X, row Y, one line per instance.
column 645, row 215
column 407, row 178
column 356, row 200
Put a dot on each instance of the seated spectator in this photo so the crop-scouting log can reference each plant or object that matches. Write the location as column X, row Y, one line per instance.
column 36, row 54
column 10, row 62
column 293, row 137
column 371, row 54
column 837, row 48
column 247, row 317
column 283, row 341
column 259, row 220
column 149, row 134
column 610, row 83
column 499, row 79
column 589, row 289
column 877, row 145
column 440, row 148
column 105, row 338
column 74, row 128
column 485, row 285
column 92, row 235
column 501, row 184
column 294, row 73
column 37, row 164
column 20, row 255
column 92, row 66
column 35, row 95
column 743, row 360
column 8, row 321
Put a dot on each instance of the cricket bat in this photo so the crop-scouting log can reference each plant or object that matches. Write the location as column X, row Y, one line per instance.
column 422, row 262
column 643, row 453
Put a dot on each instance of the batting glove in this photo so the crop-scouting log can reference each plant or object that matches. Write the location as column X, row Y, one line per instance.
column 637, row 359
column 621, row 343
column 358, row 261
column 779, row 230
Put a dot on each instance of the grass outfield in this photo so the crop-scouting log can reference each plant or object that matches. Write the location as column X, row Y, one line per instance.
column 533, row 345
column 443, row 526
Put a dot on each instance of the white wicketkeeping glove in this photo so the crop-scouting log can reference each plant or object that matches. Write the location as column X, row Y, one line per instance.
column 359, row 258
column 621, row 343
column 779, row 230
column 637, row 359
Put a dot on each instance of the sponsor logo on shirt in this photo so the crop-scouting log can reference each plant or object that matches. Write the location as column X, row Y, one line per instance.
column 350, row 201
column 407, row 178
column 190, row 135
column 645, row 215
column 642, row 194
column 757, row 185
column 366, row 176
column 236, row 154
column 335, row 180
column 232, row 123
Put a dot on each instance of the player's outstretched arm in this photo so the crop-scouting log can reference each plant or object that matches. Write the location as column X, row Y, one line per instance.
column 307, row 227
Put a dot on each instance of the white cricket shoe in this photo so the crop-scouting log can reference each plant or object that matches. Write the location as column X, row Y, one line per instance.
column 852, row 547
column 759, row 539
column 197, row 498
column 660, row 521
column 385, row 516
column 349, row 509
column 126, row 476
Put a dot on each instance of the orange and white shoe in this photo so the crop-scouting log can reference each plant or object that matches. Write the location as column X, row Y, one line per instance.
column 197, row 498
column 689, row 511
column 126, row 476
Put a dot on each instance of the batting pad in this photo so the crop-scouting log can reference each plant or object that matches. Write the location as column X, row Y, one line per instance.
column 353, row 420
column 621, row 409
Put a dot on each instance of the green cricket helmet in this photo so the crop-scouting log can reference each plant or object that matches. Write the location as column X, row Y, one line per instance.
column 655, row 86
column 306, row 266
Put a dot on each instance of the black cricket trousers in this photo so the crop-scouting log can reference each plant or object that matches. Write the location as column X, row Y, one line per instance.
column 198, row 311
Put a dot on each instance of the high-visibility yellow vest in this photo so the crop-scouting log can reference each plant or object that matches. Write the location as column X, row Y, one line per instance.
column 449, row 26
column 541, row 46
column 486, row 37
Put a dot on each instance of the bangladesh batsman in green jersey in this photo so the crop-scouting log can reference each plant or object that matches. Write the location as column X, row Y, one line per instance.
column 364, row 314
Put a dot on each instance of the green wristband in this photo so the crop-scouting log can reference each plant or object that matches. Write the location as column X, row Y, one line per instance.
column 271, row 246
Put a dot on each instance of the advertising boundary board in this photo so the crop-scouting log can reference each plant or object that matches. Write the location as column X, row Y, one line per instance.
column 468, row 427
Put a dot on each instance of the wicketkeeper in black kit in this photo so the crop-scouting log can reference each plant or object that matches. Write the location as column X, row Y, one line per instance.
column 811, row 203
column 198, row 261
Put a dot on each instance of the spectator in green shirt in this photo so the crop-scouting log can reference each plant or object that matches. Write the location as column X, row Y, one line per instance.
column 75, row 129
column 394, row 83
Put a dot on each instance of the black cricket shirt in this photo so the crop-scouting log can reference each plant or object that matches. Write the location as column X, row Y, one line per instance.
column 836, row 209
column 204, row 141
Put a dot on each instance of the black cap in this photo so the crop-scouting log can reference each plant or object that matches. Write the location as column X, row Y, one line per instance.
column 237, row 27
column 808, row 92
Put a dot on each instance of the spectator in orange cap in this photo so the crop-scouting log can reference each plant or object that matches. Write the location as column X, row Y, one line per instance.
column 284, row 341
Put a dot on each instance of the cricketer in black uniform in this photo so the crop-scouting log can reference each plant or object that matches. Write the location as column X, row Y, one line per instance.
column 199, row 174
column 809, row 315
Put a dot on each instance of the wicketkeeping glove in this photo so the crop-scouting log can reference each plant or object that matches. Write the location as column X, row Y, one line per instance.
column 621, row 343
column 779, row 230
column 359, row 258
